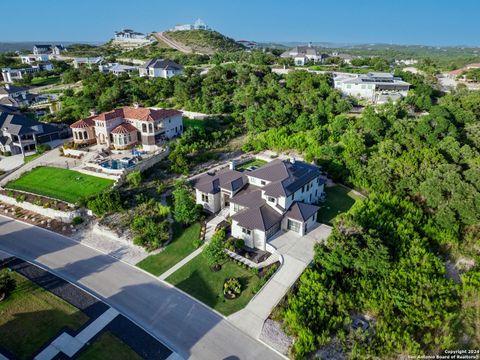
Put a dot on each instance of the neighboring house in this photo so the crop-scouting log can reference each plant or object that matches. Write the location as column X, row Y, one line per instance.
column 302, row 55
column 407, row 62
column 87, row 61
column 15, row 96
column 117, row 69
column 197, row 25
column 457, row 74
column 42, row 49
column 128, row 126
column 277, row 196
column 11, row 75
column 129, row 35
column 375, row 87
column 58, row 49
column 32, row 58
column 248, row 44
column 20, row 134
column 160, row 68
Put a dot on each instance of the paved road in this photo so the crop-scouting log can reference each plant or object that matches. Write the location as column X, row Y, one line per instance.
column 172, row 43
column 189, row 328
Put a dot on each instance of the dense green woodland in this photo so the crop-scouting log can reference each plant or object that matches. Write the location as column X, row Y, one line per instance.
column 419, row 162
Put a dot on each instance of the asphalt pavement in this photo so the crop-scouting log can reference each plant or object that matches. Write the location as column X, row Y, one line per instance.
column 186, row 326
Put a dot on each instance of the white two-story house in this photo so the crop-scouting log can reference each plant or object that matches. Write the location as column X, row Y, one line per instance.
column 160, row 68
column 278, row 196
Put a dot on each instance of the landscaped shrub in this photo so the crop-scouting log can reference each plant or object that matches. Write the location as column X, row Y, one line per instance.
column 105, row 202
column 185, row 210
column 41, row 148
column 77, row 220
column 161, row 187
column 197, row 243
column 232, row 288
column 134, row 178
column 20, row 198
column 163, row 210
column 239, row 244
column 149, row 233
column 7, row 284
column 214, row 251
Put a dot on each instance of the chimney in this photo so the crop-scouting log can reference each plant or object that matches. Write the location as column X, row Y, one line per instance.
column 136, row 105
column 93, row 112
column 232, row 164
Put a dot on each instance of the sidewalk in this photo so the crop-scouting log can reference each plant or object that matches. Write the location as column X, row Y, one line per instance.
column 297, row 252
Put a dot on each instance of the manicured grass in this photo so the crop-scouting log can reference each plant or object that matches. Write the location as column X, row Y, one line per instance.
column 108, row 347
column 180, row 247
column 195, row 123
column 62, row 184
column 32, row 316
column 42, row 81
column 29, row 158
column 256, row 162
column 339, row 200
column 196, row 278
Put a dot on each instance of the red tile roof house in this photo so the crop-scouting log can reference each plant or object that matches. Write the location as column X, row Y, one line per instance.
column 279, row 195
column 125, row 127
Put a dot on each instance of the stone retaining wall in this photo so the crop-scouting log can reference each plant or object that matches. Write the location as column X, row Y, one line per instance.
column 64, row 216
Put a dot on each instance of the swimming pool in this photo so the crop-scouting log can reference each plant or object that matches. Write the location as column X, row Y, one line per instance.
column 116, row 164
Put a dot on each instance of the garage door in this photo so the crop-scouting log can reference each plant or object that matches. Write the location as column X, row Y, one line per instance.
column 272, row 231
column 293, row 225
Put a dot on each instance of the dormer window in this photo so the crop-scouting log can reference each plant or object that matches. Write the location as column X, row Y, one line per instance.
column 271, row 199
column 263, row 183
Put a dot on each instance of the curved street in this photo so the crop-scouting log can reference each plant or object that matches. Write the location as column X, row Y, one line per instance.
column 188, row 327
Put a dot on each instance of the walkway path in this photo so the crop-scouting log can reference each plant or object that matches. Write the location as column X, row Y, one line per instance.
column 70, row 345
column 297, row 252
column 209, row 231
column 172, row 43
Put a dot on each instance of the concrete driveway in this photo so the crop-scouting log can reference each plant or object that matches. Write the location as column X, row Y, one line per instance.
column 297, row 253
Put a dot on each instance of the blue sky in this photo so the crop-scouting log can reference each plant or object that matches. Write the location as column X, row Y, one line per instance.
column 434, row 22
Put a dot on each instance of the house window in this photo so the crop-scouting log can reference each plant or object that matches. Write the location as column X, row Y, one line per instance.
column 293, row 225
column 144, row 128
column 246, row 231
column 236, row 208
column 205, row 197
column 85, row 136
column 303, row 189
column 271, row 199
column 263, row 183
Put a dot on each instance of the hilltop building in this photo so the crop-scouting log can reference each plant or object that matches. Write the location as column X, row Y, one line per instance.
column 128, row 126
column 197, row 25
column 277, row 196
column 376, row 87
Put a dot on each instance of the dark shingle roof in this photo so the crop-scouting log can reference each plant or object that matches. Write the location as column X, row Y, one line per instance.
column 285, row 177
column 162, row 64
column 250, row 196
column 261, row 218
column 301, row 211
column 17, row 124
column 11, row 89
column 211, row 183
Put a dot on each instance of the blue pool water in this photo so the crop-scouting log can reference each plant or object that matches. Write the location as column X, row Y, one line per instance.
column 117, row 164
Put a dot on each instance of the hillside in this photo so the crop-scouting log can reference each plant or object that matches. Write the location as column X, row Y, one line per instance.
column 203, row 41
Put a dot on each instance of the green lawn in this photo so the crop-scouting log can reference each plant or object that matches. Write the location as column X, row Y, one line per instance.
column 62, row 184
column 31, row 316
column 29, row 158
column 42, row 81
column 108, row 347
column 256, row 162
column 195, row 123
column 180, row 247
column 339, row 200
column 196, row 278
